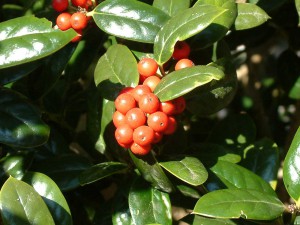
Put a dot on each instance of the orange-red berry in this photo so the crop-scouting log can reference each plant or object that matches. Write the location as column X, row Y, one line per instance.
column 143, row 135
column 172, row 126
column 79, row 21
column 184, row 63
column 60, row 5
column 124, row 134
column 63, row 21
column 140, row 150
column 181, row 50
column 151, row 82
column 158, row 121
column 118, row 119
column 147, row 67
column 149, row 103
column 135, row 117
column 140, row 90
column 124, row 103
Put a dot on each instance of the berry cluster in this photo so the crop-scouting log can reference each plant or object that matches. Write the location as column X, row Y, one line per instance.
column 140, row 118
column 77, row 20
column 181, row 53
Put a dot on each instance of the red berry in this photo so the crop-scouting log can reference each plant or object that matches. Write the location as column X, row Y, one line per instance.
column 125, row 145
column 157, row 137
column 124, row 103
column 143, row 135
column 142, row 79
column 172, row 126
column 78, row 21
column 158, row 121
column 126, row 90
column 118, row 119
column 181, row 50
column 149, row 103
column 180, row 104
column 151, row 82
column 168, row 108
column 63, row 21
column 60, row 5
column 183, row 63
column 140, row 150
column 124, row 134
column 81, row 3
column 147, row 67
column 135, row 117
column 140, row 90
column 78, row 37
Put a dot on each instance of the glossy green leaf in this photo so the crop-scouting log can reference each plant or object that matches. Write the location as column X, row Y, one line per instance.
column 152, row 172
column 25, row 39
column 171, row 7
column 185, row 80
column 297, row 3
column 116, row 69
column 291, row 169
column 220, row 26
column 262, row 158
column 235, row 176
column 14, row 165
column 130, row 19
column 121, row 214
column 183, row 25
column 64, row 170
column 20, row 204
column 295, row 90
column 200, row 220
column 101, row 171
column 24, row 129
column 249, row 16
column 149, row 205
column 297, row 220
column 239, row 203
column 51, row 195
column 186, row 168
column 188, row 191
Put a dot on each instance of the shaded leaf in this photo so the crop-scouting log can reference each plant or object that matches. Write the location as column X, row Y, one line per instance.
column 294, row 92
column 200, row 220
column 171, row 7
column 297, row 3
column 185, row 80
column 20, row 204
column 239, row 203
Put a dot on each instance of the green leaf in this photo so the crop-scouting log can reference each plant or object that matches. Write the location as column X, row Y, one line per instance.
column 200, row 220
column 182, row 26
column 25, row 39
column 220, row 26
column 249, row 16
column 24, row 129
column 186, row 168
column 297, row 220
column 239, row 203
column 116, row 69
column 149, row 205
column 294, row 92
column 297, row 3
column 20, row 204
column 152, row 171
column 51, row 195
column 188, row 191
column 235, row 176
column 185, row 80
column 171, row 7
column 130, row 19
column 101, row 171
column 291, row 169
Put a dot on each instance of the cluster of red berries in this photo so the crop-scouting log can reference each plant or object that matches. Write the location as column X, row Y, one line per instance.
column 140, row 118
column 181, row 53
column 77, row 20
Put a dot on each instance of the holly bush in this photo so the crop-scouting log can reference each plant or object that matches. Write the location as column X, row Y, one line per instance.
column 231, row 153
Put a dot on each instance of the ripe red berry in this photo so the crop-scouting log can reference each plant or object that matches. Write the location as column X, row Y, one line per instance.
column 180, row 104
column 63, row 21
column 183, row 63
column 158, row 121
column 143, row 135
column 181, row 50
column 118, row 119
column 149, row 103
column 140, row 90
column 124, row 134
column 78, row 37
column 124, row 103
column 140, row 150
column 151, row 82
column 126, row 90
column 147, row 67
column 172, row 126
column 60, row 5
column 81, row 3
column 168, row 108
column 157, row 137
column 78, row 21
column 135, row 117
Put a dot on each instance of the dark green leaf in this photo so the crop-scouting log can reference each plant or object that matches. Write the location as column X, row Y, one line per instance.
column 130, row 19
column 14, row 165
column 297, row 2
column 185, row 80
column 20, row 204
column 249, row 16
column 25, row 39
column 291, row 169
column 220, row 26
column 20, row 123
column 171, row 7
column 64, row 170
column 121, row 213
column 100, row 171
column 189, row 169
column 297, row 220
column 235, row 176
column 200, row 220
column 116, row 69
column 52, row 196
column 182, row 26
column 239, row 203
column 295, row 90
column 188, row 191
column 152, row 171
column 149, row 205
